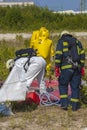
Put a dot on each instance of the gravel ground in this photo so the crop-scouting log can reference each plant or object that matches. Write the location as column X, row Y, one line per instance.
column 12, row 36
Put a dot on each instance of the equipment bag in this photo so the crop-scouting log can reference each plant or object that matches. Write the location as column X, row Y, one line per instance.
column 32, row 97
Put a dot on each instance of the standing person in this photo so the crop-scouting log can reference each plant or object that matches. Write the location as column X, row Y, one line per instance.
column 44, row 46
column 69, row 68
column 40, row 41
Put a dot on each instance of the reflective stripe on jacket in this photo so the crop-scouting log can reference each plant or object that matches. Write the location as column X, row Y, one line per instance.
column 62, row 52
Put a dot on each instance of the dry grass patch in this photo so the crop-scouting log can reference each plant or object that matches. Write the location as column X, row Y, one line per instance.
column 46, row 118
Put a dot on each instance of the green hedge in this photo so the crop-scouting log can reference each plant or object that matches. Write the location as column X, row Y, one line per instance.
column 7, row 51
column 28, row 18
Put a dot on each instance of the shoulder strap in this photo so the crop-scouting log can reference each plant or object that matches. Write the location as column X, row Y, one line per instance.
column 29, row 52
column 25, row 52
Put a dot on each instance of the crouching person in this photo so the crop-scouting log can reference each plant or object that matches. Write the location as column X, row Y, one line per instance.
column 25, row 68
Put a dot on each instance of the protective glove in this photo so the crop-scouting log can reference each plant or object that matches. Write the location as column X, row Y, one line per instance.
column 57, row 71
column 82, row 71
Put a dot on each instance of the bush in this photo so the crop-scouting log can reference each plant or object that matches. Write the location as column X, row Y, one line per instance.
column 28, row 18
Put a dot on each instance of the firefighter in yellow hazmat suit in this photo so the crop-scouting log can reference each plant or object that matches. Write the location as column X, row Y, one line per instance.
column 35, row 36
column 40, row 41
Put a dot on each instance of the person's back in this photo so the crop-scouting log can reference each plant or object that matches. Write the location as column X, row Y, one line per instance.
column 44, row 47
column 43, row 44
column 72, row 51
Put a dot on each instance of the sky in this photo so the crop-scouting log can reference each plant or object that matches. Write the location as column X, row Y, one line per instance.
column 56, row 5
column 61, row 5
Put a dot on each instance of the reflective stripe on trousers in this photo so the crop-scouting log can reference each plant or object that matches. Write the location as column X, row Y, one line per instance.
column 74, row 78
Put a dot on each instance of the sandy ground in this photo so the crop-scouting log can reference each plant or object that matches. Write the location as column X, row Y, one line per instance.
column 12, row 36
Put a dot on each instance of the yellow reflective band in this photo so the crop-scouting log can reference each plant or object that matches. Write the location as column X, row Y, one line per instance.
column 58, row 52
column 24, row 54
column 65, row 49
column 74, row 100
column 82, row 52
column 76, row 41
column 66, row 67
column 65, row 43
column 82, row 61
column 63, row 96
column 79, row 50
column 57, row 61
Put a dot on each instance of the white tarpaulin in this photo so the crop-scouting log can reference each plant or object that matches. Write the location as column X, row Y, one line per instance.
column 14, row 88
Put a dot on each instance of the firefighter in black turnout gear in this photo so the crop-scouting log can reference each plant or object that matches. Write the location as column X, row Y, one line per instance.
column 69, row 68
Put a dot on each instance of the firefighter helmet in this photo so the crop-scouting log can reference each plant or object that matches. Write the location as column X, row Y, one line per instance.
column 64, row 32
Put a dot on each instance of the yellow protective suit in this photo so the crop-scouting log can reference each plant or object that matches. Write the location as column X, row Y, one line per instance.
column 35, row 36
column 43, row 45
